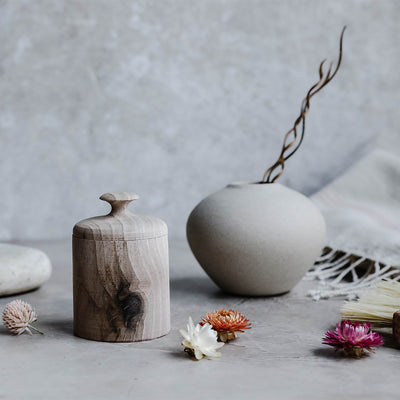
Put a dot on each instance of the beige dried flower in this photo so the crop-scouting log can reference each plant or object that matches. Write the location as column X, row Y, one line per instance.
column 18, row 317
column 200, row 341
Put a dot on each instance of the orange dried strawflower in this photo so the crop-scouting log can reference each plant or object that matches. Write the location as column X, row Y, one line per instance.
column 226, row 323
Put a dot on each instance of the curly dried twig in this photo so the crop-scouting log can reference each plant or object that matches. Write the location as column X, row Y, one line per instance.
column 288, row 142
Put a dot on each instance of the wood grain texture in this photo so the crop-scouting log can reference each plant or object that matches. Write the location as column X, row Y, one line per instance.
column 121, row 286
column 396, row 328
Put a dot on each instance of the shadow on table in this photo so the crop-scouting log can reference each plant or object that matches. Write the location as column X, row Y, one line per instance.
column 388, row 340
column 5, row 296
column 207, row 288
column 197, row 286
column 331, row 354
column 179, row 354
column 60, row 325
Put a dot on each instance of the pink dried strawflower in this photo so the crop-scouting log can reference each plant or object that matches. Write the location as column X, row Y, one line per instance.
column 226, row 323
column 18, row 317
column 353, row 338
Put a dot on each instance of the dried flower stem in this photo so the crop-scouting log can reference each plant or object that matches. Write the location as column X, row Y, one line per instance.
column 35, row 329
column 226, row 336
column 291, row 138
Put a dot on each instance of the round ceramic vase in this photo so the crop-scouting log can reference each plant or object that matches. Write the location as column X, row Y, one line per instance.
column 256, row 239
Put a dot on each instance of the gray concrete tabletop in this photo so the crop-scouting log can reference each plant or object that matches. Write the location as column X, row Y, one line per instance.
column 281, row 357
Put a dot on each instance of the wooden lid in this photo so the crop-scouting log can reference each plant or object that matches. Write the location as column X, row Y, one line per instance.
column 120, row 224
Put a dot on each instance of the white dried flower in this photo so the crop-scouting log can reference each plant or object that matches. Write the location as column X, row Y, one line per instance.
column 18, row 317
column 200, row 340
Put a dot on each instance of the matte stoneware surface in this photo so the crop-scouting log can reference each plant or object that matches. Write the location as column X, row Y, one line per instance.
column 256, row 239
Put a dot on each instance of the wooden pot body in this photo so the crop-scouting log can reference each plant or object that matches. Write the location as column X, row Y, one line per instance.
column 121, row 287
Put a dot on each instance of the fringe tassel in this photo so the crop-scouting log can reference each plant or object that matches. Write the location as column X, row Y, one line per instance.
column 345, row 274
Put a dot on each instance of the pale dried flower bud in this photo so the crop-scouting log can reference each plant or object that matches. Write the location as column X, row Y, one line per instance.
column 200, row 340
column 17, row 317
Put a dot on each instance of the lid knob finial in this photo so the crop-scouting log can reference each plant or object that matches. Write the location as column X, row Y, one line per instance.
column 119, row 200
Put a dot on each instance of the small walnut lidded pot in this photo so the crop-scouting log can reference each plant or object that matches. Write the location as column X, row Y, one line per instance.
column 121, row 275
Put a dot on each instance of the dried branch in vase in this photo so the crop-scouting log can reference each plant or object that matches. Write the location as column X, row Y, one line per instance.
column 292, row 139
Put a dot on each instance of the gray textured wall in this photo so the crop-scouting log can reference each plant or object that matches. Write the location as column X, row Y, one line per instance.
column 174, row 99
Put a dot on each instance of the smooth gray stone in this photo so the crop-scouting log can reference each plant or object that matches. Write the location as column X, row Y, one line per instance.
column 22, row 269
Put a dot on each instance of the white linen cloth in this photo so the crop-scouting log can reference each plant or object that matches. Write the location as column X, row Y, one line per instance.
column 362, row 213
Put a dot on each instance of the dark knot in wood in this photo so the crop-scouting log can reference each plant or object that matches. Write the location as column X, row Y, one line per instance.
column 130, row 305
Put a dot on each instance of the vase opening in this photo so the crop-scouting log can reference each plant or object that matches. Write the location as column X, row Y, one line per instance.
column 247, row 183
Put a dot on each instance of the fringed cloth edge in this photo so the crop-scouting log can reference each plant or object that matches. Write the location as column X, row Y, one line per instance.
column 345, row 274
